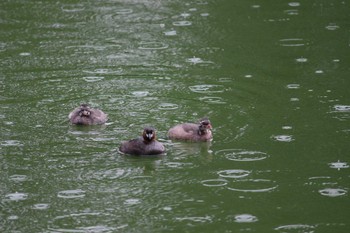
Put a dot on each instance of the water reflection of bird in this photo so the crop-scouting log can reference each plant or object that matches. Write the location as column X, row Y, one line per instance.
column 85, row 115
column 145, row 145
column 192, row 132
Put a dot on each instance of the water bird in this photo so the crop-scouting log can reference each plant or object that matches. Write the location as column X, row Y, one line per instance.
column 192, row 132
column 147, row 144
column 85, row 115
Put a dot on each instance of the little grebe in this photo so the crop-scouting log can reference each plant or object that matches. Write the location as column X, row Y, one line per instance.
column 192, row 132
column 145, row 145
column 84, row 115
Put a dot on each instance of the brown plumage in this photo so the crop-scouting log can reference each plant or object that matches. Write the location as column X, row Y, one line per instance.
column 84, row 115
column 145, row 145
column 192, row 132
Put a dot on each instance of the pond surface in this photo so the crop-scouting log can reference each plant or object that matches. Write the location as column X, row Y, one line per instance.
column 272, row 76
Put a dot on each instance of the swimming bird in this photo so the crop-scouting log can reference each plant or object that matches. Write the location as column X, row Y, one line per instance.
column 85, row 115
column 192, row 132
column 144, row 145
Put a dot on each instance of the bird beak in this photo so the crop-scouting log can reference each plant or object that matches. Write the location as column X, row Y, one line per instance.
column 149, row 136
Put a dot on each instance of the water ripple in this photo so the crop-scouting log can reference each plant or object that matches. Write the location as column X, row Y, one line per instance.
column 73, row 8
column 182, row 23
column 140, row 93
column 293, row 86
column 296, row 228
column 195, row 219
column 109, row 174
column 254, row 185
column 104, row 71
column 283, row 138
column 25, row 54
column 212, row 100
column 170, row 33
column 177, row 164
column 292, row 12
column 294, row 4
column 342, row 108
column 123, row 11
column 342, row 112
column 83, row 48
column 301, row 60
column 292, row 42
column 207, row 88
column 18, row 178
column 152, row 45
column 93, row 79
column 82, row 222
column 40, row 206
column 339, row 165
column 132, row 201
column 195, row 60
column 168, row 106
column 214, row 182
column 245, row 218
column 332, row 27
column 332, row 192
column 68, row 194
column 233, row 173
column 242, row 155
column 16, row 196
column 11, row 143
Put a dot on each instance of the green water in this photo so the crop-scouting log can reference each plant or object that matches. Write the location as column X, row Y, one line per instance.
column 273, row 77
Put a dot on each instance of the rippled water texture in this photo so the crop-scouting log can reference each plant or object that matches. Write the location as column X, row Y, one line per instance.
column 272, row 77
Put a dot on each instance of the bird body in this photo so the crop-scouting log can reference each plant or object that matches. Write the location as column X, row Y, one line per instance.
column 85, row 115
column 145, row 145
column 192, row 132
